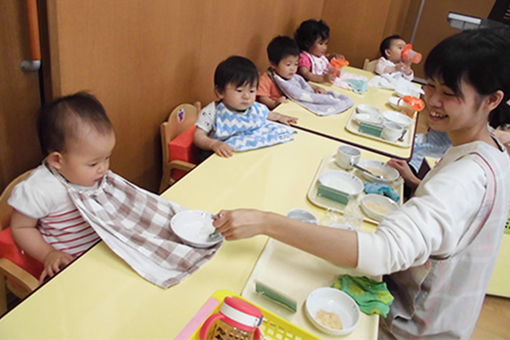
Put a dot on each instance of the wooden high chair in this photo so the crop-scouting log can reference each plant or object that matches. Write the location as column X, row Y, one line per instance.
column 179, row 153
column 12, row 277
column 369, row 65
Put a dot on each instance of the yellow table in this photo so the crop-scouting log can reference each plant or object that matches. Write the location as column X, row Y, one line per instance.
column 334, row 126
column 100, row 297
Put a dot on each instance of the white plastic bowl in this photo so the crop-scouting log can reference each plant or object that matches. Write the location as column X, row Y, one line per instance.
column 332, row 300
column 368, row 118
column 408, row 89
column 341, row 181
column 398, row 118
column 388, row 173
column 302, row 215
column 193, row 228
column 365, row 108
column 377, row 206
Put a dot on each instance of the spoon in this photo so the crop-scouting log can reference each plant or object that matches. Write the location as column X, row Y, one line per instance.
column 401, row 139
column 214, row 236
column 379, row 177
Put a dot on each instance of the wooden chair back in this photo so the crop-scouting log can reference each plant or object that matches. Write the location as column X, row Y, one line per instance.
column 179, row 120
column 369, row 65
column 5, row 208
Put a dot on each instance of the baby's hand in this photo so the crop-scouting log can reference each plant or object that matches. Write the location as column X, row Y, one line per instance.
column 329, row 77
column 53, row 262
column 287, row 120
column 318, row 89
column 280, row 100
column 402, row 67
column 222, row 149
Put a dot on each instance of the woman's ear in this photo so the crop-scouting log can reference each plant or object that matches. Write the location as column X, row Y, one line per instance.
column 494, row 99
column 55, row 159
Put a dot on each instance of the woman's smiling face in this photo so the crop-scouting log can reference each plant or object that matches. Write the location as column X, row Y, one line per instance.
column 461, row 114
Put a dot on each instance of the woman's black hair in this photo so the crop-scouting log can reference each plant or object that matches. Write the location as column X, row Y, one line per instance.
column 237, row 71
column 309, row 31
column 481, row 58
column 60, row 120
column 386, row 43
column 281, row 47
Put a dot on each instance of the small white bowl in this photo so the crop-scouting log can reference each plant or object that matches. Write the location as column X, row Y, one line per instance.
column 341, row 181
column 365, row 108
column 408, row 89
column 332, row 300
column 398, row 118
column 377, row 206
column 368, row 118
column 193, row 228
column 302, row 215
column 388, row 173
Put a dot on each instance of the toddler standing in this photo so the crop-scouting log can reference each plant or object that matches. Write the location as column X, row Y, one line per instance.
column 235, row 113
column 391, row 58
column 77, row 140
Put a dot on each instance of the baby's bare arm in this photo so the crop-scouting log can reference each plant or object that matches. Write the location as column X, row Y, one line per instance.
column 325, row 78
column 204, row 142
column 29, row 239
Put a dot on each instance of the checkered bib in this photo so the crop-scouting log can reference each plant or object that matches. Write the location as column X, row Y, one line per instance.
column 135, row 224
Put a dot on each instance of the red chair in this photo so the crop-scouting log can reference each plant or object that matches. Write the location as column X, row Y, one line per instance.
column 18, row 271
column 179, row 153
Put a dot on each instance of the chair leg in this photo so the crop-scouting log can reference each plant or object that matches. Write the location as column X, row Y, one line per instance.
column 165, row 181
column 3, row 296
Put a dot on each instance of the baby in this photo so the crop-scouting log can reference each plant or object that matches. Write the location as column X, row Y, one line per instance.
column 235, row 83
column 391, row 58
column 283, row 54
column 312, row 37
column 77, row 140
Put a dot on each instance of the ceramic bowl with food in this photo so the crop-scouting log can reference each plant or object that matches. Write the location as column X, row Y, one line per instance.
column 377, row 206
column 332, row 311
column 378, row 168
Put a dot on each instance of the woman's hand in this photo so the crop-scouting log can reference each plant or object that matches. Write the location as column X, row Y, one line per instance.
column 241, row 223
column 405, row 171
column 222, row 149
column 53, row 262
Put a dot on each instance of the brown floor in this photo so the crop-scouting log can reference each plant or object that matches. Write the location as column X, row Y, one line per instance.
column 494, row 321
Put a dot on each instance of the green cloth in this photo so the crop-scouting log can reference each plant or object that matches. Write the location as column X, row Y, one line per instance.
column 372, row 296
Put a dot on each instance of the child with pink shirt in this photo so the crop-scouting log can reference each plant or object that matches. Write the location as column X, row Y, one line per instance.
column 312, row 37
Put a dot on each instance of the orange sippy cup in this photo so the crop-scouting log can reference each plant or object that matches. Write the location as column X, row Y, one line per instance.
column 409, row 54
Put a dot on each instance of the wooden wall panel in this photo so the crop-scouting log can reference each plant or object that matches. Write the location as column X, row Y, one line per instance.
column 142, row 58
column 19, row 96
column 358, row 26
column 434, row 26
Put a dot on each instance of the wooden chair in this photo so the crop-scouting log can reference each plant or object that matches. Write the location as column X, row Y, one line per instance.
column 180, row 120
column 12, row 277
column 369, row 65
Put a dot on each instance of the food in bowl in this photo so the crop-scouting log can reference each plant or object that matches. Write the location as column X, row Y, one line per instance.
column 378, row 168
column 329, row 319
column 377, row 207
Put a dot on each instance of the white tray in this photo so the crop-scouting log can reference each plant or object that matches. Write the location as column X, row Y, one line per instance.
column 328, row 163
column 353, row 126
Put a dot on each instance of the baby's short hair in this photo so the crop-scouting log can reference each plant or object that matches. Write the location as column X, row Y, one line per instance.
column 60, row 120
column 308, row 32
column 237, row 71
column 281, row 47
column 386, row 43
